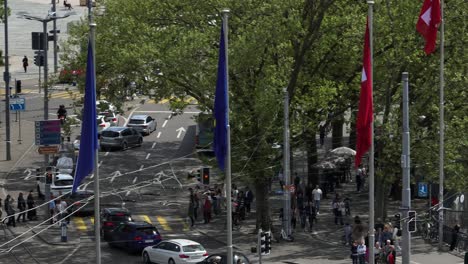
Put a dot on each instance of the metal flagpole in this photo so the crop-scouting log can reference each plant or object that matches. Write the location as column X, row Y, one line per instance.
column 441, row 130
column 6, row 78
column 371, row 153
column 405, row 165
column 225, row 13
column 286, row 168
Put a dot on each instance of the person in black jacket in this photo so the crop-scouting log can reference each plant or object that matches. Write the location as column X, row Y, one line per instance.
column 10, row 212
column 32, row 215
column 21, row 207
column 455, row 231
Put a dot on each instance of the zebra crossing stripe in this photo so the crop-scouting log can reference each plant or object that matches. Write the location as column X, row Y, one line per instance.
column 80, row 224
column 92, row 219
column 162, row 221
column 146, row 219
column 184, row 224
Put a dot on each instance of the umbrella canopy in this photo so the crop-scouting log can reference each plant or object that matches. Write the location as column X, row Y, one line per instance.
column 337, row 160
column 325, row 165
column 343, row 151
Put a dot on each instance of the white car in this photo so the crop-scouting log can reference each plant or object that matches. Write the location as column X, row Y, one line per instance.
column 108, row 106
column 175, row 251
column 102, row 123
column 61, row 184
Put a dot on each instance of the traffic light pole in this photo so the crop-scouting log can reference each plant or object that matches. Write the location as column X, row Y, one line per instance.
column 55, row 37
column 405, row 165
column 259, row 245
column 46, row 100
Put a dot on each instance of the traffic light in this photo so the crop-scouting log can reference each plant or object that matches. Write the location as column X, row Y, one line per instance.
column 36, row 60
column 39, row 59
column 206, row 176
column 265, row 243
column 198, row 175
column 412, row 221
column 18, row 86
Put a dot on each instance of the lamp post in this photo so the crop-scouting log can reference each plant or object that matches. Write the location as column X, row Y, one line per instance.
column 6, row 78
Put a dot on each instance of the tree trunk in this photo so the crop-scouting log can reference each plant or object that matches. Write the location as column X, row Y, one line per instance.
column 262, row 204
column 337, row 131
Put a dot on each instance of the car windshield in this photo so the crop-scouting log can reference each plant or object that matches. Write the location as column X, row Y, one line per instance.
column 137, row 121
column 193, row 248
column 63, row 182
column 147, row 230
column 111, row 134
column 120, row 218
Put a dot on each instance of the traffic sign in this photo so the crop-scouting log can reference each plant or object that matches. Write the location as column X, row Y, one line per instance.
column 48, row 149
column 17, row 104
column 48, row 132
column 422, row 189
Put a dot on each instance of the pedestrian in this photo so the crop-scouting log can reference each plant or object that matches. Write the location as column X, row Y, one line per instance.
column 347, row 206
column 455, row 231
column 52, row 208
column 21, row 207
column 10, row 211
column 348, row 231
column 317, row 194
column 354, row 253
column 248, row 199
column 377, row 253
column 197, row 197
column 359, row 177
column 322, row 134
column 358, row 229
column 337, row 206
column 25, row 63
column 207, row 209
column 191, row 208
column 32, row 214
column 361, row 252
column 62, row 210
column 391, row 257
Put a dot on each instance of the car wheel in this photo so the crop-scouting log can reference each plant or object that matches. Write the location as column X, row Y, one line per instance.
column 140, row 142
column 171, row 261
column 124, row 146
column 146, row 258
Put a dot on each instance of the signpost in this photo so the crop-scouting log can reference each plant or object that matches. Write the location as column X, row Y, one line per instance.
column 422, row 190
column 48, row 132
column 48, row 149
column 18, row 104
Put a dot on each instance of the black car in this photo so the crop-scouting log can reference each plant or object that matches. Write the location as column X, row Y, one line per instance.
column 238, row 258
column 82, row 202
column 134, row 236
column 111, row 218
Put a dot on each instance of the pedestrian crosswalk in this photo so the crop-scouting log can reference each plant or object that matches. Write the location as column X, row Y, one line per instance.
column 53, row 94
column 189, row 100
column 166, row 223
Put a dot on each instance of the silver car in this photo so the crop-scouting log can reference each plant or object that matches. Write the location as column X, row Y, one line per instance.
column 143, row 123
column 120, row 137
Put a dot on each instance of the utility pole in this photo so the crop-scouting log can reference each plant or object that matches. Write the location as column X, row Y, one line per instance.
column 405, row 165
column 286, row 171
column 6, row 78
column 55, row 36
column 441, row 128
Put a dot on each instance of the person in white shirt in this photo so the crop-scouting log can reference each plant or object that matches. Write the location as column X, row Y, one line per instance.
column 317, row 194
column 361, row 251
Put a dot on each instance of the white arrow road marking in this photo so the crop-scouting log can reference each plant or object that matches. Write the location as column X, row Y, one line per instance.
column 148, row 155
column 100, row 163
column 115, row 174
column 164, row 124
column 142, row 166
column 107, row 153
column 29, row 172
column 128, row 193
column 134, row 180
column 154, row 145
column 180, row 130
column 92, row 176
column 159, row 134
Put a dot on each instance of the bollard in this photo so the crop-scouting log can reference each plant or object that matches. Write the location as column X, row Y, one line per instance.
column 64, row 231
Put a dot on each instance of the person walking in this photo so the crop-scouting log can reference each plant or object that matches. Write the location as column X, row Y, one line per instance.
column 354, row 253
column 248, row 199
column 348, row 230
column 32, row 214
column 52, row 207
column 207, row 209
column 191, row 208
column 455, row 231
column 21, row 208
column 25, row 63
column 311, row 215
column 10, row 211
column 361, row 252
column 317, row 194
column 359, row 177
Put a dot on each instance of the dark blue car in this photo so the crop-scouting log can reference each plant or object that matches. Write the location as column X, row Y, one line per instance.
column 134, row 236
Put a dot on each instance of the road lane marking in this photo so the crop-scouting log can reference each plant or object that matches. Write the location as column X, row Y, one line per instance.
column 107, row 153
column 92, row 176
column 135, row 179
column 146, row 219
column 168, row 112
column 163, row 223
column 80, row 224
column 69, row 255
column 159, row 134
column 127, row 193
column 100, row 163
column 148, row 155
column 154, row 145
column 180, row 130
column 164, row 124
column 142, row 166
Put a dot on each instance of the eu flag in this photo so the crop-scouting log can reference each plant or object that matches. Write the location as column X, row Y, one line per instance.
column 221, row 106
column 88, row 142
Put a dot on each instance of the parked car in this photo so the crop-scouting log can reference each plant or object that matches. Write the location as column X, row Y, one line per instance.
column 143, row 123
column 111, row 218
column 120, row 137
column 103, row 105
column 102, row 123
column 238, row 258
column 61, row 184
column 81, row 202
column 134, row 236
column 111, row 117
column 175, row 251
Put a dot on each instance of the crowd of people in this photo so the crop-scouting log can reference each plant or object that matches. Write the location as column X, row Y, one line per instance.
column 26, row 209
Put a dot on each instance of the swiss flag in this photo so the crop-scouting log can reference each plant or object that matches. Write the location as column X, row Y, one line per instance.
column 428, row 23
column 365, row 113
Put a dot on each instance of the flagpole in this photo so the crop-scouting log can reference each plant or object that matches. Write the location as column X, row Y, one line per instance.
column 441, row 129
column 225, row 14
column 371, row 153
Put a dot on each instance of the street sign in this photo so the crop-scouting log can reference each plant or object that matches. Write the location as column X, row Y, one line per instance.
column 422, row 189
column 17, row 104
column 48, row 132
column 48, row 149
